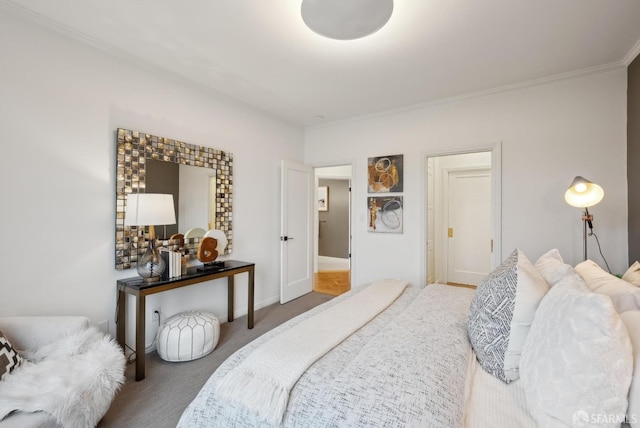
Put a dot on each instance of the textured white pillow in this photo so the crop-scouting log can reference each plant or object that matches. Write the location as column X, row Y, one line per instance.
column 577, row 360
column 625, row 297
column 632, row 275
column 631, row 320
column 501, row 313
column 552, row 267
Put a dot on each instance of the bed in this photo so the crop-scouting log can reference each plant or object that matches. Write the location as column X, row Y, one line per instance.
column 416, row 364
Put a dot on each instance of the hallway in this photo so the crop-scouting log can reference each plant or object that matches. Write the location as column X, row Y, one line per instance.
column 333, row 276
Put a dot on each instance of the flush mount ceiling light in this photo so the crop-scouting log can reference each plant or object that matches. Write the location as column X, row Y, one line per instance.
column 346, row 19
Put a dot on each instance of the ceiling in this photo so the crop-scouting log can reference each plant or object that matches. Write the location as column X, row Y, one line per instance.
column 260, row 52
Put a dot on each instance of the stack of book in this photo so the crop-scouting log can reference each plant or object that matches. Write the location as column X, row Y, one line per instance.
column 173, row 261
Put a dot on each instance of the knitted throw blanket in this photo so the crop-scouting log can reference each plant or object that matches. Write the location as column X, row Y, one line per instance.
column 262, row 382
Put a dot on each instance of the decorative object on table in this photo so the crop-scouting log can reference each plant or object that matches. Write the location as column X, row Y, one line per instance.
column 212, row 244
column 173, row 263
column 179, row 237
column 385, row 214
column 191, row 240
column 196, row 232
column 207, row 252
column 583, row 193
column 188, row 335
column 385, row 174
column 323, row 198
column 150, row 209
column 346, row 19
column 133, row 150
column 219, row 236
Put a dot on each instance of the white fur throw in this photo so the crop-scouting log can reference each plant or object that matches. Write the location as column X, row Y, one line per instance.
column 74, row 379
column 263, row 381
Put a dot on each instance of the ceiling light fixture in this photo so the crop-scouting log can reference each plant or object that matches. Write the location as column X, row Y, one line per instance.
column 346, row 19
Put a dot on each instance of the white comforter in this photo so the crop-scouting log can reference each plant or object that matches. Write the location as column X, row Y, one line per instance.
column 407, row 367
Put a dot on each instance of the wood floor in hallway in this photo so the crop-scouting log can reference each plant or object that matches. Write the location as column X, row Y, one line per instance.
column 333, row 282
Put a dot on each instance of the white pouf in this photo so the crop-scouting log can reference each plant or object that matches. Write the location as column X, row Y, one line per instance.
column 188, row 336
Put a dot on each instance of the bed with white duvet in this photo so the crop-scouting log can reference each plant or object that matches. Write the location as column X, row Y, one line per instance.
column 532, row 346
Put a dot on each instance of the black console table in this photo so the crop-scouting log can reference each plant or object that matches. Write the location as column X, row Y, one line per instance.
column 140, row 290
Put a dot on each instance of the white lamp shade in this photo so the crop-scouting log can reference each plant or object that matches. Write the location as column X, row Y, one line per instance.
column 583, row 193
column 144, row 209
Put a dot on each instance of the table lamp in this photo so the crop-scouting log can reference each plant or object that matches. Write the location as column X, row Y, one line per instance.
column 583, row 193
column 150, row 209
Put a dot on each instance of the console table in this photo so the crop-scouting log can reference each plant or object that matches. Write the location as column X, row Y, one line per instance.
column 135, row 286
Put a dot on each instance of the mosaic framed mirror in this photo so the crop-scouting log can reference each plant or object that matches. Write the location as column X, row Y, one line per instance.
column 135, row 151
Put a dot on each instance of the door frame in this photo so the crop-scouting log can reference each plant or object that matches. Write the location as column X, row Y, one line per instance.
column 496, row 200
column 352, row 237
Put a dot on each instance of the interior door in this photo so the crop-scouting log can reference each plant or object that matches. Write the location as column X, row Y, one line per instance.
column 296, row 231
column 469, row 226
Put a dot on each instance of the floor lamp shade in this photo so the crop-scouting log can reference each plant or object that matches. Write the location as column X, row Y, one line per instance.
column 149, row 209
column 583, row 193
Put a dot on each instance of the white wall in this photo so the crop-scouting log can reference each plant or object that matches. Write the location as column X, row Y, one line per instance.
column 60, row 104
column 549, row 133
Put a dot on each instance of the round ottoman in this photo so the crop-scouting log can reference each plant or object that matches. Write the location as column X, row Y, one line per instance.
column 188, row 336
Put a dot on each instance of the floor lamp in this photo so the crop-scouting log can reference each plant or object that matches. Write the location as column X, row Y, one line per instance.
column 584, row 194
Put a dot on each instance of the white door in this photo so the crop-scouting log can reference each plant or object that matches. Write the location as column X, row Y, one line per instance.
column 296, row 230
column 469, row 226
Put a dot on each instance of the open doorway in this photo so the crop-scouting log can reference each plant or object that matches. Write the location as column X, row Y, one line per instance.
column 333, row 255
column 462, row 217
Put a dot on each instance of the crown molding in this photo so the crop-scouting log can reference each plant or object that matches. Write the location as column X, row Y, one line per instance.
column 477, row 94
column 633, row 53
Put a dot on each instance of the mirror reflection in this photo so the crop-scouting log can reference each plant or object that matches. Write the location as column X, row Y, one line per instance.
column 193, row 190
column 202, row 190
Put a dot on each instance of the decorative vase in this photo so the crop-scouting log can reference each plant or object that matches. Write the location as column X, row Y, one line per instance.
column 151, row 265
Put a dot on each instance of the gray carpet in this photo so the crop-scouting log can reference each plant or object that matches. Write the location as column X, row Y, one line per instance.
column 159, row 399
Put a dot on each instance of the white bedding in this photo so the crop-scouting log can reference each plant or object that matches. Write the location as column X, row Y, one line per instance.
column 493, row 403
column 272, row 369
column 411, row 366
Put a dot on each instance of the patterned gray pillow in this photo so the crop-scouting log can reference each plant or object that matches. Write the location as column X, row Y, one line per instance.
column 9, row 357
column 501, row 313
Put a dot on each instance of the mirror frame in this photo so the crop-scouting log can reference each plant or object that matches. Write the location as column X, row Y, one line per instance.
column 133, row 149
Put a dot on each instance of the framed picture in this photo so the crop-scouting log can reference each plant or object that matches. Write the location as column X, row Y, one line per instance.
column 385, row 214
column 323, row 198
column 385, row 174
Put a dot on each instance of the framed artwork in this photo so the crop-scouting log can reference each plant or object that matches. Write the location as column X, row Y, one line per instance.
column 385, row 174
column 323, row 198
column 385, row 214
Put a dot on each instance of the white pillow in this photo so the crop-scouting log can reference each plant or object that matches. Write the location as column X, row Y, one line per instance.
column 501, row 313
column 552, row 267
column 631, row 320
column 625, row 297
column 632, row 275
column 576, row 364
